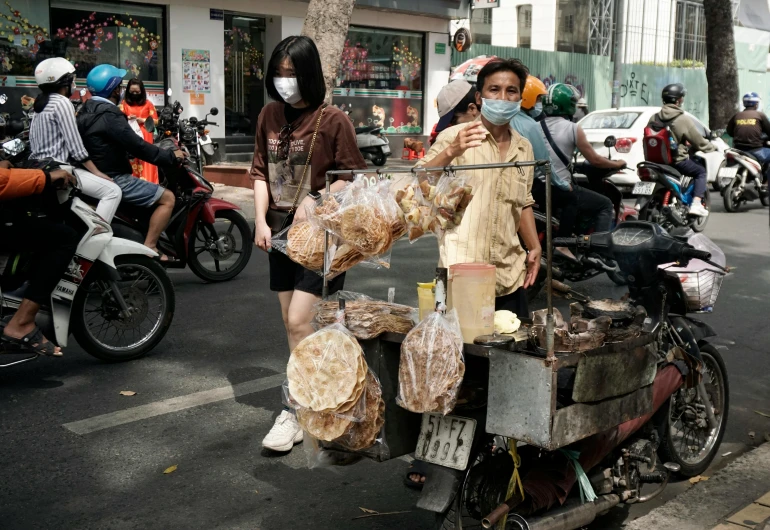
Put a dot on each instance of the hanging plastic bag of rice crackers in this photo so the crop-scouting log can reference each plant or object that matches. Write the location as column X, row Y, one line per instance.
column 432, row 365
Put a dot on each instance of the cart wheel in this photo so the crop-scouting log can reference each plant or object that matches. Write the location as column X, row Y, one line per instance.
column 684, row 439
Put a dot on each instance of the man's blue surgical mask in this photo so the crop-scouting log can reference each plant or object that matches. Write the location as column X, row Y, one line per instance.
column 499, row 111
column 537, row 110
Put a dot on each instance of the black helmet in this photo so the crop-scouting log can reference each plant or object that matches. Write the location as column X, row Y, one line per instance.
column 672, row 93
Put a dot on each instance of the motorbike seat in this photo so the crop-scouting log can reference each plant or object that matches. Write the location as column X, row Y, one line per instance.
column 746, row 154
column 367, row 129
column 668, row 170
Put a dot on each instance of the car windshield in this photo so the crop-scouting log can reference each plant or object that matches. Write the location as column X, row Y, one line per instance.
column 610, row 120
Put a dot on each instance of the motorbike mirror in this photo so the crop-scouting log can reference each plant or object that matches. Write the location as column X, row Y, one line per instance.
column 149, row 124
column 610, row 141
column 13, row 147
column 214, row 111
column 3, row 99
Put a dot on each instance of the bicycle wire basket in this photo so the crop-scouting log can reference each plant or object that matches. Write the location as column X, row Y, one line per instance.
column 701, row 289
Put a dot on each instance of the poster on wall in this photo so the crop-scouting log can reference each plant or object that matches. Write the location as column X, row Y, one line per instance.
column 196, row 70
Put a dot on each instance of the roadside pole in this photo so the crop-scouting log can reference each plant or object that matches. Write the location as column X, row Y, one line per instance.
column 617, row 55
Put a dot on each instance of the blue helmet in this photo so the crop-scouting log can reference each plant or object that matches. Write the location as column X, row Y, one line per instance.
column 103, row 79
column 751, row 100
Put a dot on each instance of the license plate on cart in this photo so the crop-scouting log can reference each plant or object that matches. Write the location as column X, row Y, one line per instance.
column 644, row 188
column 445, row 440
column 386, row 149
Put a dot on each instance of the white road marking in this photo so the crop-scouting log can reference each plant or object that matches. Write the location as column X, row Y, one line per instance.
column 175, row 404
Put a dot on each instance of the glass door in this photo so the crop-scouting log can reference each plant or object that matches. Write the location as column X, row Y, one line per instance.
column 244, row 73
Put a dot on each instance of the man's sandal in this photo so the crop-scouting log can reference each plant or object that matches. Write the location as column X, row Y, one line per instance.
column 32, row 343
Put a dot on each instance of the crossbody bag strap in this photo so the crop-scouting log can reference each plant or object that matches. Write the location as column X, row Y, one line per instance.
column 307, row 163
column 559, row 152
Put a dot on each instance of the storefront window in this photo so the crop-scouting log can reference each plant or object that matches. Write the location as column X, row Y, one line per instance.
column 125, row 35
column 380, row 80
column 24, row 35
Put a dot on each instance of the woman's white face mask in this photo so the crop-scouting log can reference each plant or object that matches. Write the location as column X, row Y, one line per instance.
column 288, row 89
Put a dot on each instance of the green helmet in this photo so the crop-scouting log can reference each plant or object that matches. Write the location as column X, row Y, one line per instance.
column 561, row 100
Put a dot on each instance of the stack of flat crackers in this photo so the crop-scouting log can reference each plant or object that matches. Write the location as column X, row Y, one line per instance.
column 432, row 366
column 337, row 399
column 367, row 318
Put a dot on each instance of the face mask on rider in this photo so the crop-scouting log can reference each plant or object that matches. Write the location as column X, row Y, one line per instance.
column 537, row 110
column 288, row 89
column 499, row 111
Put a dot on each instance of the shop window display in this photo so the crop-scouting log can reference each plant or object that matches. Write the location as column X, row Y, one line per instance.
column 24, row 34
column 380, row 80
column 111, row 34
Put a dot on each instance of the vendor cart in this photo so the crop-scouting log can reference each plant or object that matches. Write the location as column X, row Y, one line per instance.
column 520, row 391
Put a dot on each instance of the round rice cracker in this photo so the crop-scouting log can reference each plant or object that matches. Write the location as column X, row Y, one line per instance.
column 321, row 425
column 324, row 370
column 349, row 408
column 426, row 383
column 365, row 230
column 363, row 434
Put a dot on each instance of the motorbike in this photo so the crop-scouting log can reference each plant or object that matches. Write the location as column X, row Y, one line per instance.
column 664, row 196
column 742, row 179
column 190, row 133
column 578, row 403
column 584, row 267
column 204, row 233
column 373, row 144
column 115, row 299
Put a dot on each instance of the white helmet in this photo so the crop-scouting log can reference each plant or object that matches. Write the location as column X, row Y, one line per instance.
column 54, row 72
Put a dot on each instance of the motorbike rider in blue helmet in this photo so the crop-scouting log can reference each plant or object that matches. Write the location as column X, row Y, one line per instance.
column 750, row 129
column 112, row 142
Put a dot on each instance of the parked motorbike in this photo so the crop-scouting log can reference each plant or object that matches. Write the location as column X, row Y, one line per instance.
column 585, row 266
column 204, row 233
column 742, row 180
column 115, row 298
column 634, row 452
column 373, row 144
column 207, row 148
column 664, row 196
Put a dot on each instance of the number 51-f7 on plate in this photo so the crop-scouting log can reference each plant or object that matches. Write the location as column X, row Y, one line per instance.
column 445, row 440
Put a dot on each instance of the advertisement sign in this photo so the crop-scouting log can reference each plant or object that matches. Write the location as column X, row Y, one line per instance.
column 196, row 70
column 462, row 40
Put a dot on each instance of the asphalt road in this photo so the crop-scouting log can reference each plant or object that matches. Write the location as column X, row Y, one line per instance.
column 77, row 455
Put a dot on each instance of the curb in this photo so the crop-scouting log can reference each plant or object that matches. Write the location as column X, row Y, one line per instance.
column 706, row 504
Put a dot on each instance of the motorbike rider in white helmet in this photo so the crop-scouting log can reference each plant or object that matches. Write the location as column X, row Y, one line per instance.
column 54, row 134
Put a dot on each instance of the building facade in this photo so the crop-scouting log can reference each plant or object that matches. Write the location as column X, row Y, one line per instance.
column 396, row 56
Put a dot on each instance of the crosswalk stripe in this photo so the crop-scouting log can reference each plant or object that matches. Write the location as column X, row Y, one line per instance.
column 175, row 404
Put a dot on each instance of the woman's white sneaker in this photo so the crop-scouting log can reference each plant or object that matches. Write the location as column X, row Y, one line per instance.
column 285, row 433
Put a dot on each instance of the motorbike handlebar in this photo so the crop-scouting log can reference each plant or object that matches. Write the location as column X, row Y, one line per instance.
column 566, row 241
column 694, row 253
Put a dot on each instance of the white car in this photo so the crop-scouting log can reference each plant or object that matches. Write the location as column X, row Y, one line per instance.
column 627, row 126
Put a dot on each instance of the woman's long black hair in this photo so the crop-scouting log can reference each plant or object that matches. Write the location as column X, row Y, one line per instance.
column 304, row 57
column 46, row 90
column 142, row 91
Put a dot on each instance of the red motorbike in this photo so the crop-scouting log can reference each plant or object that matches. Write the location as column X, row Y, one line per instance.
column 209, row 235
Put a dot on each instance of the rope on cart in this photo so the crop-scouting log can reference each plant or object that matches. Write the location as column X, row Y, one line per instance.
column 515, row 479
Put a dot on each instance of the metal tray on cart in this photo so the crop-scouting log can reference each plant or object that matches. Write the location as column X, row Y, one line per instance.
column 612, row 385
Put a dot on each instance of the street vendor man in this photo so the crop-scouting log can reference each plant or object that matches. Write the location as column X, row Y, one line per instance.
column 500, row 217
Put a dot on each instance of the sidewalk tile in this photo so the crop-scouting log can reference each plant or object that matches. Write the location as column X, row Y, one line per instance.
column 764, row 499
column 751, row 515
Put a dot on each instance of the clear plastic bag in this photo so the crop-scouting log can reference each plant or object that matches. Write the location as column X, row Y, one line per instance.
column 432, row 365
column 365, row 317
column 303, row 243
column 453, row 195
column 326, row 374
column 415, row 201
column 363, row 438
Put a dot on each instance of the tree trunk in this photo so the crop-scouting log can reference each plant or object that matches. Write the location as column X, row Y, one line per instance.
column 721, row 64
column 327, row 24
